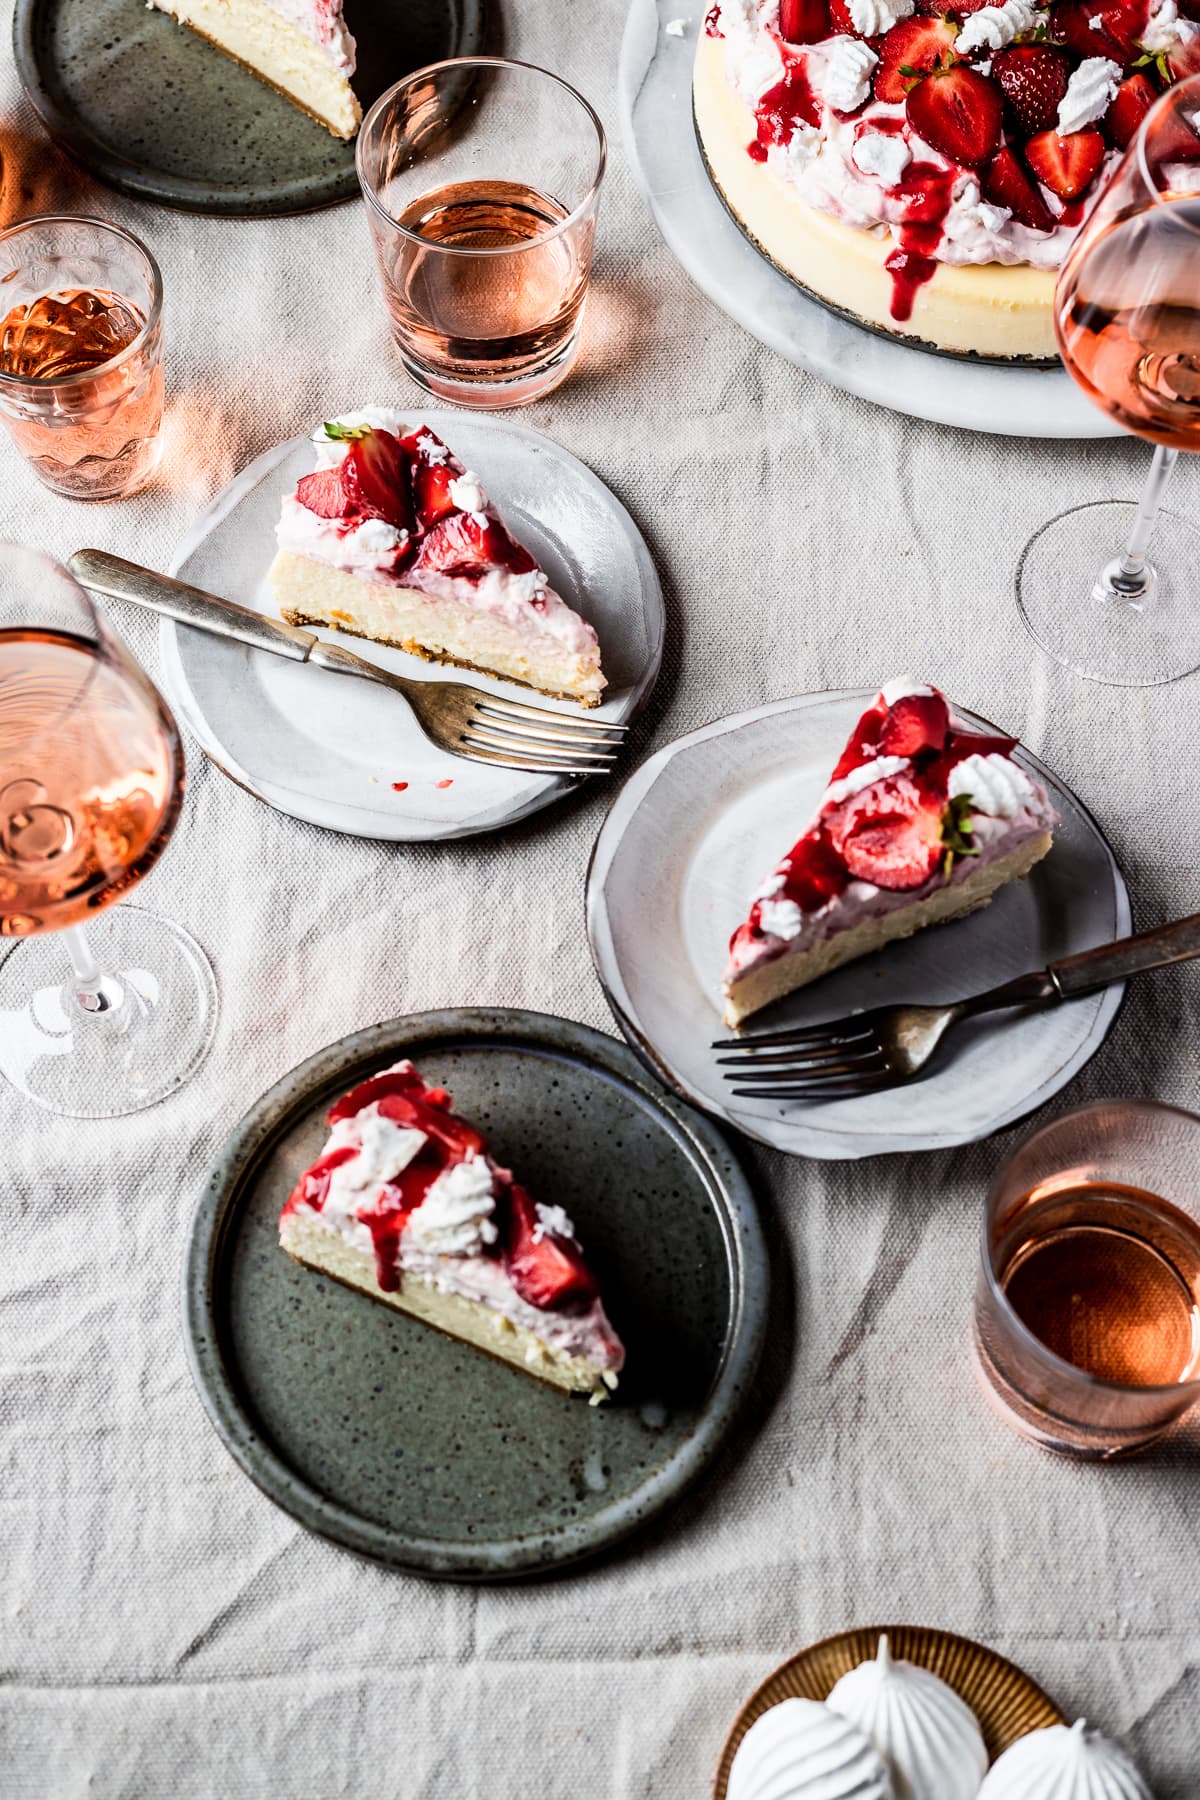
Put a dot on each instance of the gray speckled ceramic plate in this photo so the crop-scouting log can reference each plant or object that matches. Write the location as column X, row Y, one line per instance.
column 403, row 1445
column 699, row 824
column 151, row 109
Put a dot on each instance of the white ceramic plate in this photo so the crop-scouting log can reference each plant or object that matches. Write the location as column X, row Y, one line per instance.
column 696, row 829
column 655, row 97
column 327, row 749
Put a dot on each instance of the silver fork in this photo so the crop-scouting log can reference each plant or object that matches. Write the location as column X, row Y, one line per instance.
column 892, row 1044
column 465, row 720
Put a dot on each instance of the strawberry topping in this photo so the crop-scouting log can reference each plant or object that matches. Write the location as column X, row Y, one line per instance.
column 1119, row 25
column 378, row 1087
column 375, row 476
column 1066, row 165
column 322, row 493
column 467, row 545
column 1034, row 78
column 916, row 722
column 1133, row 100
column 803, row 21
column 890, row 833
column 958, row 111
column 1006, row 183
column 431, row 492
column 546, row 1270
column 912, row 48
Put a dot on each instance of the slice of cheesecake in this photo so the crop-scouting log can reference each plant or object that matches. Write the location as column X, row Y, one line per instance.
column 406, row 1204
column 392, row 538
column 923, row 820
column 300, row 47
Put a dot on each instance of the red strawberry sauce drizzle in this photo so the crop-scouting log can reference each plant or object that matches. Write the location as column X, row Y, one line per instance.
column 547, row 1271
column 926, row 191
column 784, row 107
column 813, row 871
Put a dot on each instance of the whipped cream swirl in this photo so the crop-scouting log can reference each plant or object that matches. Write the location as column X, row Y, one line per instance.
column 876, row 17
column 846, row 77
column 1089, row 91
column 994, row 26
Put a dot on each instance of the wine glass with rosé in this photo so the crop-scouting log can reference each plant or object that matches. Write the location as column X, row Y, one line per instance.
column 103, row 1009
column 1127, row 316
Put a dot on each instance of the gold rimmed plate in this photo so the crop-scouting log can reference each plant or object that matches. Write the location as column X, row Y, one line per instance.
column 1006, row 1701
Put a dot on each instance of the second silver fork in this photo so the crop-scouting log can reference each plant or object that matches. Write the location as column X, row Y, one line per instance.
column 463, row 720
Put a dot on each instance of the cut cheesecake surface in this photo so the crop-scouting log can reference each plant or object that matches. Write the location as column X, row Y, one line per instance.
column 406, row 1204
column 392, row 538
column 925, row 165
column 300, row 47
column 923, row 820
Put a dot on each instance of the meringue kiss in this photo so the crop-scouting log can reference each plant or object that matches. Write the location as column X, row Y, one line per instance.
column 801, row 1750
column 1064, row 1763
column 927, row 1735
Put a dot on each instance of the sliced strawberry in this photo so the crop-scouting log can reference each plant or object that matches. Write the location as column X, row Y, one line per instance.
column 977, row 743
column 1120, row 23
column 313, row 1185
column 890, row 833
column 915, row 723
column 840, row 20
column 958, row 111
column 1133, row 100
column 547, row 1271
column 376, row 479
column 1034, row 78
column 1066, row 165
column 918, row 44
column 431, row 492
column 466, row 545
column 803, row 21
column 322, row 493
column 864, row 741
column 377, row 1087
column 1005, row 183
column 815, row 872
column 422, row 1113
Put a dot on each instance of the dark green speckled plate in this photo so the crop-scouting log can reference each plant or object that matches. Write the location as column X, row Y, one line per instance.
column 151, row 109
column 403, row 1445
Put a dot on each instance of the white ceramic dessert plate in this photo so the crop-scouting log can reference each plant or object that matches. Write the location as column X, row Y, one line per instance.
column 655, row 97
column 348, row 756
column 695, row 830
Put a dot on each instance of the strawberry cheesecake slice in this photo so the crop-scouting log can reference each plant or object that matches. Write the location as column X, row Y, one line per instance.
column 405, row 1204
column 299, row 47
column 923, row 820
column 392, row 538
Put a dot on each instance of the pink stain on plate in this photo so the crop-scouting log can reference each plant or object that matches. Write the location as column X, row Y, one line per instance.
column 448, row 782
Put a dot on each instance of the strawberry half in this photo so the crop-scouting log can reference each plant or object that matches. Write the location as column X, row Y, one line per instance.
column 375, row 476
column 915, row 723
column 1034, row 78
column 547, row 1271
column 379, row 1087
column 803, row 21
column 1121, row 24
column 466, row 545
column 958, row 111
column 1132, row 101
column 431, row 493
column 1066, row 165
column 890, row 833
column 1005, row 183
column 916, row 43
column 322, row 493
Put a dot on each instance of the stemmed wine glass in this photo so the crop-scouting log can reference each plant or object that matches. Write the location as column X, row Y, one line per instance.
column 1127, row 315
column 99, row 1022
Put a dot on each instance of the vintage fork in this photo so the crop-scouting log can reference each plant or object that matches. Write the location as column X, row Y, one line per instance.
column 465, row 720
column 882, row 1048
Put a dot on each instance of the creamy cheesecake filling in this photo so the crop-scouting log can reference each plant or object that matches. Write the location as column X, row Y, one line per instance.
column 300, row 47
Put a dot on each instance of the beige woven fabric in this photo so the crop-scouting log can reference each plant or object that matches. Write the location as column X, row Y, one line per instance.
column 164, row 1631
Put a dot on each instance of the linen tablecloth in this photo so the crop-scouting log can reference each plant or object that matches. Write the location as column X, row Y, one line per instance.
column 164, row 1630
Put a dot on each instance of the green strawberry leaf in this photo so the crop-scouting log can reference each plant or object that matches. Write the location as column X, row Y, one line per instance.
column 339, row 433
column 958, row 830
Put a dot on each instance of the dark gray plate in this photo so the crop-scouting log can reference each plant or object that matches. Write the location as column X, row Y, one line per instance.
column 405, row 1446
column 150, row 108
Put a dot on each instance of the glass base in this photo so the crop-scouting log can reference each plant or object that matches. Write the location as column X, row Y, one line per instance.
column 152, row 1035
column 489, row 392
column 1071, row 609
column 1061, row 1436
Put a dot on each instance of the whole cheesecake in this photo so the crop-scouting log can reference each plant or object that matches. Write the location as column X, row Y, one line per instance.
column 925, row 172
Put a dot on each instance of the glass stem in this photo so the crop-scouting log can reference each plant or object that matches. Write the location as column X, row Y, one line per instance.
column 1128, row 576
column 94, row 992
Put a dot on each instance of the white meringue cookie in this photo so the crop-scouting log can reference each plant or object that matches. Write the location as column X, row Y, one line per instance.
column 927, row 1735
column 801, row 1750
column 1064, row 1763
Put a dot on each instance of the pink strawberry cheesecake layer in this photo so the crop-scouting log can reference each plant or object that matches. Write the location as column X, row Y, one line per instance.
column 923, row 820
column 406, row 1204
column 391, row 537
column 958, row 135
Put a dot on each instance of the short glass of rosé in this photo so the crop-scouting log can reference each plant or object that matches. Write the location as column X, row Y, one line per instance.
column 482, row 182
column 1127, row 317
column 81, row 378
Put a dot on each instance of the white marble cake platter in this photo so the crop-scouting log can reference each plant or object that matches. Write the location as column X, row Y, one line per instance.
column 655, row 98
